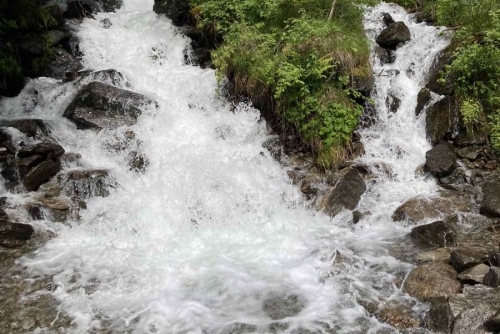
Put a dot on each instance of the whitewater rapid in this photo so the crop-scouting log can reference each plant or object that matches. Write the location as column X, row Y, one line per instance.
column 214, row 229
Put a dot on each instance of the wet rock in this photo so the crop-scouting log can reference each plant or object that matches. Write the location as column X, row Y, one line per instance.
column 445, row 57
column 494, row 259
column 30, row 127
column 106, row 23
column 71, row 159
column 111, row 77
column 356, row 216
column 423, row 98
column 176, row 10
column 363, row 84
column 387, row 18
column 283, row 306
column 394, row 35
column 490, row 205
column 463, row 258
column 399, row 316
column 440, row 119
column 438, row 233
column 239, row 328
column 346, row 194
column 470, row 153
column 392, row 102
column 419, row 208
column 441, row 160
column 492, row 277
column 24, row 165
column 386, row 56
column 474, row 275
column 467, row 312
column 110, row 5
column 137, row 162
column 57, row 210
column 45, row 150
column 63, row 63
column 41, row 174
column 493, row 323
column 87, row 183
column 80, row 9
column 432, row 280
column 436, row 255
column 14, row 234
column 98, row 105
column 467, row 138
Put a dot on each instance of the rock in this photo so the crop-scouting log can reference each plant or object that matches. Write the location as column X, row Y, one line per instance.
column 40, row 174
column 87, row 183
column 32, row 46
column 492, row 277
column 356, row 216
column 176, row 10
column 24, row 165
column 45, row 150
column 239, row 328
column 386, row 56
column 394, row 35
column 98, row 105
column 399, row 316
column 346, row 194
column 467, row 138
column 80, row 9
column 469, row 153
column 432, row 280
column 63, row 63
column 440, row 119
column 283, row 306
column 57, row 37
column 465, row 313
column 474, row 275
column 494, row 259
column 463, row 258
column 30, row 127
column 363, row 84
column 445, row 57
column 436, row 255
column 438, row 233
column 490, row 205
column 387, row 18
column 110, row 5
column 137, row 162
column 14, row 234
column 392, row 103
column 423, row 98
column 56, row 210
column 493, row 323
column 419, row 208
column 441, row 160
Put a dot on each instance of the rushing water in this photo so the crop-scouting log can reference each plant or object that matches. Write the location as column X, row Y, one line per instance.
column 213, row 233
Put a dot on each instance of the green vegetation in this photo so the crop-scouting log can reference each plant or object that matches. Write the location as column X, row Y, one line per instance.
column 475, row 70
column 295, row 62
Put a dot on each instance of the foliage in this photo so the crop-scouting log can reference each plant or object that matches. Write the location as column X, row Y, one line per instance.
column 290, row 59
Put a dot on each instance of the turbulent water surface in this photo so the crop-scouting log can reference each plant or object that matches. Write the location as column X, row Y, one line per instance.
column 213, row 235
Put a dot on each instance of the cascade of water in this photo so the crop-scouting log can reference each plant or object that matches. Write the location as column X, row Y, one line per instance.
column 213, row 236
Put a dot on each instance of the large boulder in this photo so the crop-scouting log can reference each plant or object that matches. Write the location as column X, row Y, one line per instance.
column 418, row 208
column 440, row 118
column 346, row 194
column 98, row 105
column 490, row 205
column 436, row 73
column 441, row 160
column 394, row 35
column 41, row 174
column 176, row 10
column 439, row 233
column 432, row 280
column 465, row 313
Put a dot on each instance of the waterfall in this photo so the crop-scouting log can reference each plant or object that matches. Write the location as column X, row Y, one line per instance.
column 213, row 237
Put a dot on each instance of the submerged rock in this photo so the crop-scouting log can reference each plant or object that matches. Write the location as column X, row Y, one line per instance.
column 87, row 183
column 30, row 127
column 98, row 105
column 283, row 306
column 399, row 316
column 441, row 160
column 432, row 280
column 394, row 35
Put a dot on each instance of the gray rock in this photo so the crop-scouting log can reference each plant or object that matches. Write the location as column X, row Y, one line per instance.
column 493, row 323
column 423, row 98
column 438, row 233
column 56, row 210
column 14, row 234
column 463, row 258
column 419, row 208
column 467, row 138
column 492, row 278
column 387, row 18
column 98, row 105
column 394, row 35
column 440, row 119
column 41, row 174
column 445, row 57
column 490, row 205
column 24, row 165
column 63, row 63
column 87, row 183
column 432, row 280
column 465, row 313
column 346, row 194
column 45, row 150
column 474, row 275
column 470, row 153
column 441, row 160
column 176, row 10
column 31, row 127
column 392, row 103
column 279, row 306
column 436, row 255
column 494, row 259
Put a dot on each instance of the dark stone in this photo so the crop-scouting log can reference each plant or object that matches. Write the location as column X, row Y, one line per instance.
column 282, row 306
column 423, row 98
column 30, row 127
column 45, row 150
column 492, row 278
column 176, row 10
column 87, row 183
column 432, row 280
column 493, row 323
column 440, row 119
column 356, row 216
column 110, row 5
column 346, row 194
column 386, row 56
column 63, row 63
column 24, row 165
column 394, row 35
column 41, row 174
column 445, row 57
column 32, row 46
column 441, row 160
column 465, row 313
column 494, row 259
column 387, row 18
column 57, row 37
column 490, row 205
column 137, row 162
column 470, row 153
column 98, row 105
column 392, row 102
column 474, row 275
column 463, row 258
column 81, row 9
column 363, row 84
column 467, row 138
column 14, row 234
column 440, row 233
